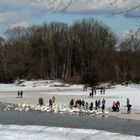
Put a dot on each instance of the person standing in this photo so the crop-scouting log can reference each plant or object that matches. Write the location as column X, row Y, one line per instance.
column 117, row 106
column 103, row 105
column 92, row 92
column 21, row 94
column 128, row 109
column 128, row 105
column 87, row 105
column 103, row 108
column 91, row 106
column 40, row 101
column 114, row 106
column 103, row 101
column 50, row 103
column 95, row 90
column 83, row 104
column 18, row 93
column 99, row 103
column 127, row 102
column 71, row 103
column 96, row 105
column 101, row 90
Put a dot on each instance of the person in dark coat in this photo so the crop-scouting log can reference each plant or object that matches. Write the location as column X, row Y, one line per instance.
column 91, row 106
column 129, row 108
column 92, row 92
column 103, row 101
column 71, row 103
column 103, row 105
column 83, row 104
column 117, row 106
column 101, row 90
column 18, row 93
column 99, row 103
column 96, row 105
column 127, row 102
column 50, row 103
column 21, row 94
column 40, row 101
column 78, row 103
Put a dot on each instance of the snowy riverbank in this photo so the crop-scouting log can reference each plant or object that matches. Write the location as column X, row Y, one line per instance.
column 19, row 111
column 32, row 90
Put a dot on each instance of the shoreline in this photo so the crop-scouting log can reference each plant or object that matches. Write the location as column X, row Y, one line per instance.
column 115, row 122
column 122, row 114
column 63, row 99
column 101, row 122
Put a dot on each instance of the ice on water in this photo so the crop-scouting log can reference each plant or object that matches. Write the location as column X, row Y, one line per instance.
column 17, row 132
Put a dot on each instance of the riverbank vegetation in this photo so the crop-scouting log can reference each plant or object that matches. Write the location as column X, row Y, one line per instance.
column 86, row 51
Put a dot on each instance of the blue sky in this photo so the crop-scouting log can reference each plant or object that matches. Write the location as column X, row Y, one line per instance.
column 29, row 12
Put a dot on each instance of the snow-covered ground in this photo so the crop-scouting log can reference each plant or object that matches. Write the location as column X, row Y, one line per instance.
column 17, row 132
column 43, row 85
column 64, row 92
column 49, row 88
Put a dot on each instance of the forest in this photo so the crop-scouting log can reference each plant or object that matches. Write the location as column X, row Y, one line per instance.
column 86, row 51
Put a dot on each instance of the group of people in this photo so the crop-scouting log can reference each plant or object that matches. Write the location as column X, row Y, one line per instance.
column 20, row 94
column 94, row 91
column 51, row 101
column 85, row 87
column 81, row 104
column 116, row 106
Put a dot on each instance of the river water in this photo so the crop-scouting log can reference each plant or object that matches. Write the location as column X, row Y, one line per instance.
column 106, row 123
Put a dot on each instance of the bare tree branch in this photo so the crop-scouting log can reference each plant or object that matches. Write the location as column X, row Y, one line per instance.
column 128, row 11
column 124, row 11
column 62, row 5
column 112, row 2
column 57, row 5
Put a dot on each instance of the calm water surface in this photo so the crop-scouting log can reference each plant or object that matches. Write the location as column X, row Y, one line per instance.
column 106, row 123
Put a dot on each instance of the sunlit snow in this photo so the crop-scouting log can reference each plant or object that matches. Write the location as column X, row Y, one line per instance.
column 17, row 132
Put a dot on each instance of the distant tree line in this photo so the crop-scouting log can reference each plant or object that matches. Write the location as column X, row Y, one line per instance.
column 85, row 52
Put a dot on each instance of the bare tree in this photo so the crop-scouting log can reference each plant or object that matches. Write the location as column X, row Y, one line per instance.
column 64, row 4
column 130, row 9
column 57, row 5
